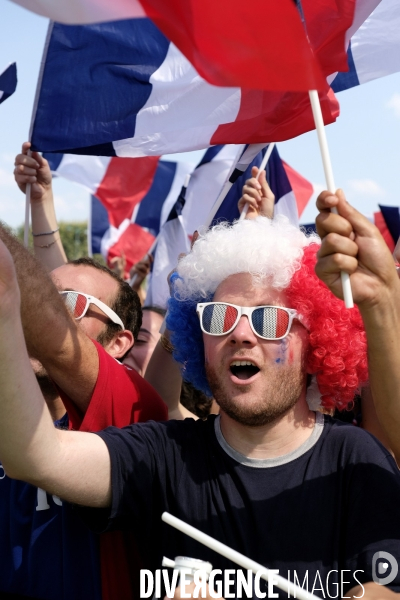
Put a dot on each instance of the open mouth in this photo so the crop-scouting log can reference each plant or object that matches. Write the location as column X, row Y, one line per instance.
column 243, row 369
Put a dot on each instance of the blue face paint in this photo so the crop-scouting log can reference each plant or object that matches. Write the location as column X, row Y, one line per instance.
column 283, row 347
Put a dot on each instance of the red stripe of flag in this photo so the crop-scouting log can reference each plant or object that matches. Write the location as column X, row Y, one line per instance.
column 274, row 117
column 220, row 39
column 302, row 188
column 124, row 185
column 132, row 245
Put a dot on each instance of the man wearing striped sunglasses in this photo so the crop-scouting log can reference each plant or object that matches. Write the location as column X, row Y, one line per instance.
column 296, row 491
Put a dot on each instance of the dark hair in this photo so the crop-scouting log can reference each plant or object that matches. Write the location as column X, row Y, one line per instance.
column 195, row 401
column 126, row 304
column 156, row 309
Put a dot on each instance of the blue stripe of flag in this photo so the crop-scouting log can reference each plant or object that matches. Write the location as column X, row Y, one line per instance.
column 344, row 81
column 107, row 81
column 8, row 81
column 150, row 208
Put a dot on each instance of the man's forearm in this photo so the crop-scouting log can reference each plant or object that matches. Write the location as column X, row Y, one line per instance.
column 42, row 312
column 48, row 248
column 382, row 325
column 72, row 465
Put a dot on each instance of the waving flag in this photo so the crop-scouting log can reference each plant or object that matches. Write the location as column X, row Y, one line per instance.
column 120, row 184
column 136, row 233
column 374, row 49
column 289, row 201
column 218, row 37
column 194, row 205
column 122, row 89
column 8, row 82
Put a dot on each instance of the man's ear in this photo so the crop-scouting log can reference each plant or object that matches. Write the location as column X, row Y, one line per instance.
column 120, row 344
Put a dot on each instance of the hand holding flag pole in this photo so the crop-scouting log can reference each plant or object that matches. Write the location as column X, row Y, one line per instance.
column 326, row 161
column 264, row 163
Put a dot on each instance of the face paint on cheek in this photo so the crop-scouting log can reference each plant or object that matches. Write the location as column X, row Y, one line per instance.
column 282, row 352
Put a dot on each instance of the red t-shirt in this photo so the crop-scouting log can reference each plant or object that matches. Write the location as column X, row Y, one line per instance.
column 121, row 397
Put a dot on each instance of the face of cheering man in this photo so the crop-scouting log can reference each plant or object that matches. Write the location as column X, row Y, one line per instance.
column 86, row 279
column 273, row 379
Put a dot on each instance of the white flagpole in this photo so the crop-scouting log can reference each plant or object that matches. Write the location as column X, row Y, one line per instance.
column 260, row 170
column 240, row 559
column 35, row 103
column 326, row 161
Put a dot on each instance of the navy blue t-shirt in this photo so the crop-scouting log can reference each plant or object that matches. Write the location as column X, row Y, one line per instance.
column 328, row 506
column 45, row 552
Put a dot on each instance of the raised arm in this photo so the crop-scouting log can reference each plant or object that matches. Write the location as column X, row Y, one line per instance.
column 46, row 241
column 258, row 195
column 164, row 374
column 51, row 335
column 352, row 244
column 72, row 465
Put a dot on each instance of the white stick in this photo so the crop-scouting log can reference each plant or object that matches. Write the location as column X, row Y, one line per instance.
column 326, row 161
column 238, row 558
column 35, row 104
column 264, row 163
column 27, row 211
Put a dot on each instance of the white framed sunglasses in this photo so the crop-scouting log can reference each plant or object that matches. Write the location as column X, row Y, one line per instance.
column 267, row 322
column 78, row 304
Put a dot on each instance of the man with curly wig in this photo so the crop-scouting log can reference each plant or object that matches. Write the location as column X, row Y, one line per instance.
column 296, row 491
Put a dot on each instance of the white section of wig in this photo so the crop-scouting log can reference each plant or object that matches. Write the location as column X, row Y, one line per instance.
column 270, row 250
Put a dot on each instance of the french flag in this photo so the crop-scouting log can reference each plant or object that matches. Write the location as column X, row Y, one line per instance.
column 193, row 209
column 374, row 49
column 8, row 82
column 123, row 89
column 292, row 191
column 130, row 199
column 135, row 236
column 218, row 37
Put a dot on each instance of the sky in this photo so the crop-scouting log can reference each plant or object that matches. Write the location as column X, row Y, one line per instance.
column 364, row 143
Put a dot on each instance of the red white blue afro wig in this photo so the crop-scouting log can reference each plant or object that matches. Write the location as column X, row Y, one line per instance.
column 281, row 256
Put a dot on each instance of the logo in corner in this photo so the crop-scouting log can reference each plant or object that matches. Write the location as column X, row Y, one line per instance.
column 384, row 568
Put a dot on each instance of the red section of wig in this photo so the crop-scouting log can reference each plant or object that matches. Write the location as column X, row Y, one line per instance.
column 337, row 354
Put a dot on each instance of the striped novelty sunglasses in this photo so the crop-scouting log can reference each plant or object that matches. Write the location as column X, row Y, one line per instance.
column 268, row 322
column 78, row 303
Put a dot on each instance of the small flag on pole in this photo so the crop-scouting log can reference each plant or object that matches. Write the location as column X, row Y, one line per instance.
column 8, row 82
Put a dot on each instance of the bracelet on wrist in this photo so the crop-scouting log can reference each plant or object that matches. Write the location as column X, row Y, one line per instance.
column 46, row 232
column 45, row 245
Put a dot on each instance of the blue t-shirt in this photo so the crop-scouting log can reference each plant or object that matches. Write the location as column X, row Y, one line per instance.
column 45, row 551
column 328, row 506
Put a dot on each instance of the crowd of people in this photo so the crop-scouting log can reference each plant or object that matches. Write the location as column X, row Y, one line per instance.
column 233, row 419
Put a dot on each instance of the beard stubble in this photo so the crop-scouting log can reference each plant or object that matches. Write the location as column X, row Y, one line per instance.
column 284, row 385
